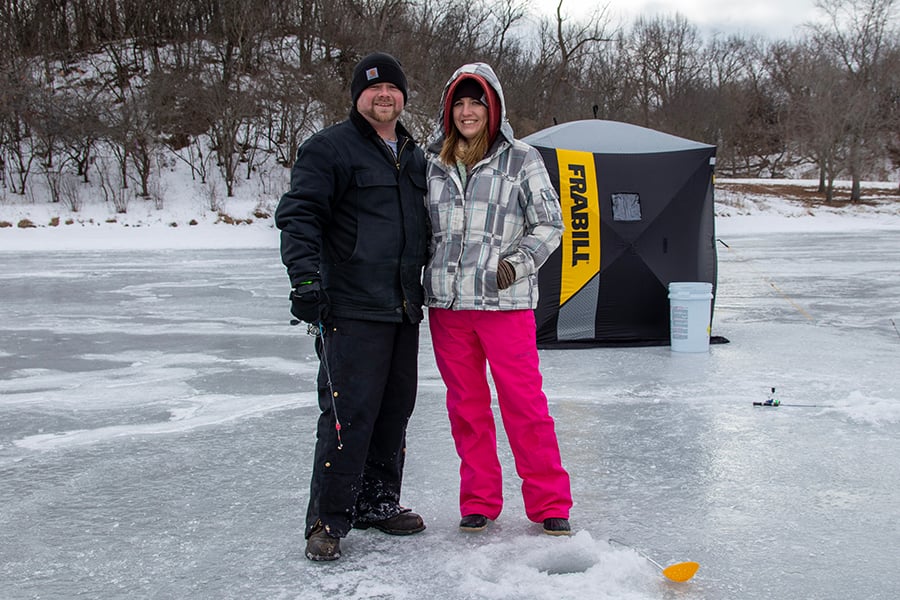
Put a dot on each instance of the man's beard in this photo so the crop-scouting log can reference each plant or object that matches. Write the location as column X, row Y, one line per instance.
column 382, row 115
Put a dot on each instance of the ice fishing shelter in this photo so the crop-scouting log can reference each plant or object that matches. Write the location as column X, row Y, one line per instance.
column 638, row 209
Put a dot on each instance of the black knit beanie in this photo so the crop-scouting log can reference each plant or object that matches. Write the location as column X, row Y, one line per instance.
column 377, row 68
column 469, row 88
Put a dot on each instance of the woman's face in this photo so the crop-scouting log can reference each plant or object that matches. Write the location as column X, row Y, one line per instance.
column 470, row 117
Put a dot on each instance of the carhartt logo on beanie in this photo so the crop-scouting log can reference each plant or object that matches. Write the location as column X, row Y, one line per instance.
column 377, row 68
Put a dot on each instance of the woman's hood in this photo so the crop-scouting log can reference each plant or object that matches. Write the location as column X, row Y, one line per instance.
column 484, row 74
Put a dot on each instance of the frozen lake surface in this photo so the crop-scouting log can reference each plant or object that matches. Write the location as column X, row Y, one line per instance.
column 157, row 416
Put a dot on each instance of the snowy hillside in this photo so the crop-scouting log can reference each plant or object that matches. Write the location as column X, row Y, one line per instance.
column 185, row 219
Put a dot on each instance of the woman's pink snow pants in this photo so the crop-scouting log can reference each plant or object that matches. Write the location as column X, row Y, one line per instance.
column 463, row 340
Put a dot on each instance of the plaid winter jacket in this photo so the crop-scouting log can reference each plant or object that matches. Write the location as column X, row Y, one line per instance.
column 507, row 209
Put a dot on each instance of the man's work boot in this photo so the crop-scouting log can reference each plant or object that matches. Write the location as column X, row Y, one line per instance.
column 321, row 546
column 405, row 523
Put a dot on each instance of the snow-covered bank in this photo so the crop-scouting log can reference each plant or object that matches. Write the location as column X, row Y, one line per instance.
column 742, row 206
column 104, row 236
column 784, row 216
column 773, row 206
column 183, row 222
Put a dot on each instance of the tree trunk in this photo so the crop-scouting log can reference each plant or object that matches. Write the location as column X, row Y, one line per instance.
column 855, row 189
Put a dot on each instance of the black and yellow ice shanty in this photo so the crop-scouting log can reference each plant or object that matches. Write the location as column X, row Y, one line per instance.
column 638, row 210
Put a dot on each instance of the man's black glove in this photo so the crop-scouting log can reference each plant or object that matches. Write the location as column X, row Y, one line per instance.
column 309, row 302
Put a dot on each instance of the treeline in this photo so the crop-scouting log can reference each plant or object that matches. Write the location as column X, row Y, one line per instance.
column 110, row 90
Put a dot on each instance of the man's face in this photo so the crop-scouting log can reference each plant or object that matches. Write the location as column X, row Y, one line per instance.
column 382, row 102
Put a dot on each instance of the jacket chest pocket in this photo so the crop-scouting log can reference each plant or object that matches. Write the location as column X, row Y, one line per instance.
column 375, row 183
column 378, row 217
column 377, row 201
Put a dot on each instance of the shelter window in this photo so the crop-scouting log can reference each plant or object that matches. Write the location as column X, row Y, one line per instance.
column 626, row 206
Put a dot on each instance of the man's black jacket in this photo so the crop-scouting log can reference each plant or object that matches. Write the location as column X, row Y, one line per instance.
column 355, row 220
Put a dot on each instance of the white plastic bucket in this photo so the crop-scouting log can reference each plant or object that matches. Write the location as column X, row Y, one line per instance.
column 689, row 310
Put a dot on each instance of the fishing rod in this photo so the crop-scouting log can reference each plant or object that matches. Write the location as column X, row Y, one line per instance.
column 318, row 330
column 769, row 282
column 680, row 572
column 774, row 402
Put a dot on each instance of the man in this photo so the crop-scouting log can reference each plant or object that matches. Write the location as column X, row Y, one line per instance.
column 354, row 241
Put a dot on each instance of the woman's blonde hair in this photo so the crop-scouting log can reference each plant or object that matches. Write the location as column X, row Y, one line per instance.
column 457, row 148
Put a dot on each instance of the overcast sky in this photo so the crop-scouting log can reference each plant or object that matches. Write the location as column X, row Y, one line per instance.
column 772, row 18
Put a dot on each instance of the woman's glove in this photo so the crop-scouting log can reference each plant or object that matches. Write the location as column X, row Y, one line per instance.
column 506, row 274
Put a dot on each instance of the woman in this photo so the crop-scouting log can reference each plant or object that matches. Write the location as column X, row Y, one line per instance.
column 495, row 219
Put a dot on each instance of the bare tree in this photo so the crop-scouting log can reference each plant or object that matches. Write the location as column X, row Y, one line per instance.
column 667, row 52
column 556, row 88
column 856, row 36
column 811, row 88
column 17, row 144
column 891, row 104
column 506, row 14
column 231, row 108
column 610, row 82
column 575, row 41
column 113, row 192
column 82, row 127
column 737, row 104
column 182, row 116
column 289, row 111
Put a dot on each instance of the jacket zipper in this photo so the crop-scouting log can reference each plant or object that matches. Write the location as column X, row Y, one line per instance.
column 399, row 152
column 400, row 148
